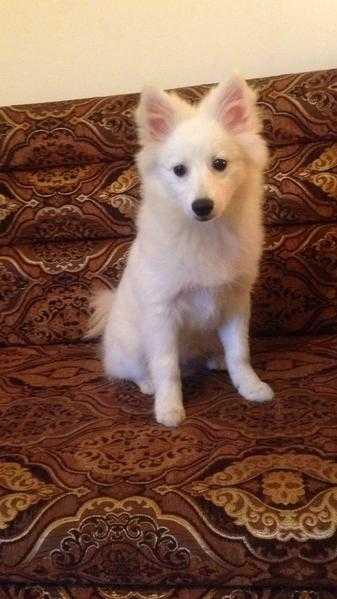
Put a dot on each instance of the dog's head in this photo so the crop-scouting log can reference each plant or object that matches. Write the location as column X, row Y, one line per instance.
column 200, row 156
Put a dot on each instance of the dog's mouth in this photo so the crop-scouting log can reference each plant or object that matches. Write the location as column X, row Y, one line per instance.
column 205, row 218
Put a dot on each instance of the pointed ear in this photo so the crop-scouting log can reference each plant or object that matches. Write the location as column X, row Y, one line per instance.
column 233, row 105
column 155, row 116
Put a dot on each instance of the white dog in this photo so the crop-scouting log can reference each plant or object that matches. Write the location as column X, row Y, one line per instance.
column 192, row 266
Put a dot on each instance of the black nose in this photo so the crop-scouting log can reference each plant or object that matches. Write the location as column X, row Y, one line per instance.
column 202, row 207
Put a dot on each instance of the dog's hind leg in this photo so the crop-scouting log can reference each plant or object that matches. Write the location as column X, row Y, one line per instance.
column 146, row 386
column 120, row 364
column 216, row 362
column 124, row 357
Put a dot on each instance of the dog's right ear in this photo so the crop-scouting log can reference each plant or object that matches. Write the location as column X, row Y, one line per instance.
column 155, row 115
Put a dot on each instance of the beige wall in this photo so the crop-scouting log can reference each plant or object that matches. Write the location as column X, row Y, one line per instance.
column 54, row 49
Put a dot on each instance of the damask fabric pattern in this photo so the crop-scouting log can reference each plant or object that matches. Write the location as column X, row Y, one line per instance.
column 96, row 499
column 45, row 288
column 42, row 592
column 94, row 492
column 69, row 193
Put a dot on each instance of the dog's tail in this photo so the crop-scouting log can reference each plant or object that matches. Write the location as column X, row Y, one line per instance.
column 101, row 305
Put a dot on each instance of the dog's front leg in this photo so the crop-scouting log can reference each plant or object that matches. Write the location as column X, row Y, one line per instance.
column 163, row 362
column 234, row 334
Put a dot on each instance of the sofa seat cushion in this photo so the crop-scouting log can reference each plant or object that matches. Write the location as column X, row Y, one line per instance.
column 93, row 491
column 16, row 591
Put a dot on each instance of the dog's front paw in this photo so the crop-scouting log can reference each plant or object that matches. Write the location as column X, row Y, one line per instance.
column 256, row 391
column 170, row 416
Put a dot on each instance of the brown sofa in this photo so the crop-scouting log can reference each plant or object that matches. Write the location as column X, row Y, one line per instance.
column 96, row 499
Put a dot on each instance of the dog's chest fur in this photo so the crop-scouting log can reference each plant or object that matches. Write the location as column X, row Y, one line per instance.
column 208, row 265
column 199, row 308
column 204, row 257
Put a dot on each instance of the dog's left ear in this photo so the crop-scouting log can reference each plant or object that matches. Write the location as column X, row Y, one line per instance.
column 233, row 105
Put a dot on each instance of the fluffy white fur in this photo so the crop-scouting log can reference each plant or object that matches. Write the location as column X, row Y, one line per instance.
column 188, row 282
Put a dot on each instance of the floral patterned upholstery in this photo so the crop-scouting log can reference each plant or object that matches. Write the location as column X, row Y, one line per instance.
column 98, row 501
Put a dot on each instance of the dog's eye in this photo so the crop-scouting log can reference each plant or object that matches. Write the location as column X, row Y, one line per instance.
column 219, row 164
column 180, row 170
